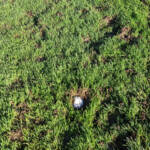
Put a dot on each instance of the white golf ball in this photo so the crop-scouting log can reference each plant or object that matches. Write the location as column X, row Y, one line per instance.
column 78, row 102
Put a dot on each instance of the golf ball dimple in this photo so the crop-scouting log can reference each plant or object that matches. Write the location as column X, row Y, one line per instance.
column 78, row 102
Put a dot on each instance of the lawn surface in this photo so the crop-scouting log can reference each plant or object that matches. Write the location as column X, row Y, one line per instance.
column 53, row 50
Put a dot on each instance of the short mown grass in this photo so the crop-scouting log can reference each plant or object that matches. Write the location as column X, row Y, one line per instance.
column 53, row 50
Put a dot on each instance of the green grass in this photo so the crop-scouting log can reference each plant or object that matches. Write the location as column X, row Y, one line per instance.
column 52, row 50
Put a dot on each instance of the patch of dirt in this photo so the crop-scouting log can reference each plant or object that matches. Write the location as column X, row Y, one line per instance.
column 125, row 33
column 16, row 135
column 107, row 59
column 38, row 121
column 18, row 83
column 17, row 36
column 19, row 122
column 21, row 109
column 40, row 59
column 106, row 91
column 107, row 20
column 101, row 8
column 30, row 14
column 38, row 45
column 83, row 12
column 43, row 33
column 130, row 72
column 101, row 143
column 86, row 39
column 46, row 1
column 12, row 1
column 81, row 92
column 55, row 112
column 5, row 28
column 59, row 14
column 145, row 104
column 143, row 116
column 145, row 107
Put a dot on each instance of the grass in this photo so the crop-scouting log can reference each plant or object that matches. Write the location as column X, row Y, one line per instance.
column 52, row 50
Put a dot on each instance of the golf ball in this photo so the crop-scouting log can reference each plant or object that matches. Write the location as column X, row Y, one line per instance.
column 78, row 102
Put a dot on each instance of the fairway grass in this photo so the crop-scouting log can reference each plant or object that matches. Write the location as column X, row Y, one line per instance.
column 54, row 50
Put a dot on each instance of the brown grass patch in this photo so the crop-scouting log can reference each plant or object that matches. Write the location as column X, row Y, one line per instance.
column 81, row 92
column 30, row 13
column 130, row 72
column 18, row 83
column 38, row 121
column 125, row 33
column 86, row 39
column 43, row 33
column 19, row 121
column 21, row 109
column 83, row 12
column 40, row 59
column 17, row 36
column 38, row 45
column 59, row 14
column 16, row 135
column 107, row 20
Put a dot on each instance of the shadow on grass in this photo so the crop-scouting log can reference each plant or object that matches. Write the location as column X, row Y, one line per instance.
column 71, row 134
column 116, row 120
column 117, row 30
column 115, row 23
column 120, row 142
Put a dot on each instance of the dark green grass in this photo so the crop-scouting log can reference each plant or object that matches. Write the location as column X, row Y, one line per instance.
column 51, row 50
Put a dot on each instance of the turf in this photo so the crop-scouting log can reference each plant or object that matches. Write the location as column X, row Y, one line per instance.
column 53, row 50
